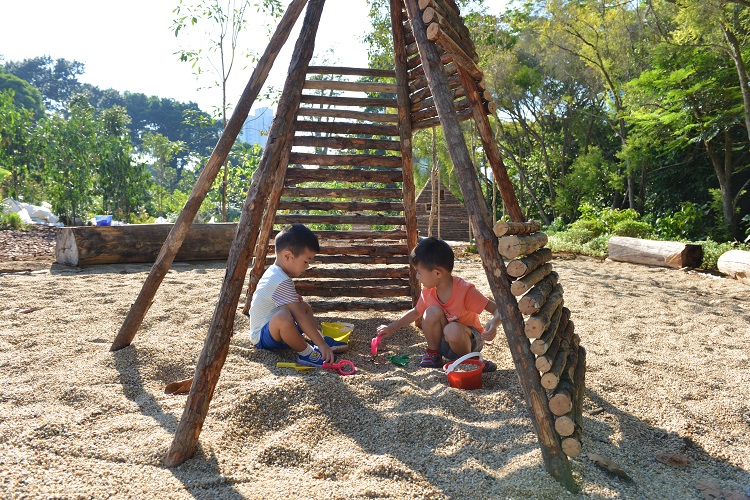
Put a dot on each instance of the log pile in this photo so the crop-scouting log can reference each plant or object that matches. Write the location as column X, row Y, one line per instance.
column 560, row 359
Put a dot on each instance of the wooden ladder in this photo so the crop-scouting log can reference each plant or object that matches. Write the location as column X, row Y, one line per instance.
column 345, row 136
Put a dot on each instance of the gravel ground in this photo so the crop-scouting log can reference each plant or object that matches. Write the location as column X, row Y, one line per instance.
column 667, row 377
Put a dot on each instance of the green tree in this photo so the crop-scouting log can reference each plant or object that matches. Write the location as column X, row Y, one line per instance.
column 57, row 80
column 16, row 147
column 24, row 94
column 160, row 150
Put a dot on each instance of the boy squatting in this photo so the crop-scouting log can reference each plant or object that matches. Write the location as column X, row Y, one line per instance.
column 449, row 308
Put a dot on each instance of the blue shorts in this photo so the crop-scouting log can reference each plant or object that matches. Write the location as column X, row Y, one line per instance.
column 268, row 342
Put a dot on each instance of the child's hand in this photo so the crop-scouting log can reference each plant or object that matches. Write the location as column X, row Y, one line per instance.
column 327, row 353
column 385, row 331
column 490, row 329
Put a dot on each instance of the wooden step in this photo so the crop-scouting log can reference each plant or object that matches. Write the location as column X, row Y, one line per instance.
column 335, row 142
column 364, row 102
column 322, row 289
column 356, row 273
column 297, row 175
column 347, row 206
column 364, row 282
column 333, row 70
column 369, row 220
column 356, row 194
column 349, row 114
column 366, row 160
column 375, row 251
column 384, row 88
column 360, row 305
column 346, row 128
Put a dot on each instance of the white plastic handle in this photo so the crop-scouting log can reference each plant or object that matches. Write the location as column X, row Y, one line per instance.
column 460, row 360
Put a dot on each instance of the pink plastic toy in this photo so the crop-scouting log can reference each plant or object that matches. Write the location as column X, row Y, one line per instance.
column 344, row 367
column 375, row 344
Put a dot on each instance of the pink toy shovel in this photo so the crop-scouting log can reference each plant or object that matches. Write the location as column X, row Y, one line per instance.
column 374, row 345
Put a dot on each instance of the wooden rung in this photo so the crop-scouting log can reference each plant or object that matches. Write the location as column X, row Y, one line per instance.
column 346, row 128
column 350, row 206
column 323, row 290
column 511, row 247
column 357, row 194
column 360, row 305
column 357, row 273
column 387, row 88
column 365, row 160
column 360, row 259
column 332, row 70
column 363, row 102
column 370, row 220
column 363, row 282
column 371, row 250
column 334, row 142
column 349, row 114
column 462, row 116
column 298, row 175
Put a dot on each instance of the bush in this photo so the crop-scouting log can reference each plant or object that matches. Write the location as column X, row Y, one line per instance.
column 597, row 247
column 11, row 221
column 593, row 226
column 633, row 229
column 712, row 250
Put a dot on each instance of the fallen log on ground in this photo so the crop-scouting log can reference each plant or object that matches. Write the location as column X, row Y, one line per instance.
column 655, row 253
column 91, row 245
column 736, row 264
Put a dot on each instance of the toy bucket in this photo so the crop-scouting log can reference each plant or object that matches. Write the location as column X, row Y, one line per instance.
column 338, row 331
column 471, row 379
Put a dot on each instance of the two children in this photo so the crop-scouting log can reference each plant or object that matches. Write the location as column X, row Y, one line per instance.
column 448, row 305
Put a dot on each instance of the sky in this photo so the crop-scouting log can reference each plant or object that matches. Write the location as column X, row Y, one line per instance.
column 129, row 46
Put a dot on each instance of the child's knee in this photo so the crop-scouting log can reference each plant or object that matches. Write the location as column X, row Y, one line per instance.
column 433, row 313
column 283, row 318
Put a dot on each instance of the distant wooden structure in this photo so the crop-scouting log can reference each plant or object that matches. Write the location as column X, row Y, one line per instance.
column 435, row 81
column 453, row 221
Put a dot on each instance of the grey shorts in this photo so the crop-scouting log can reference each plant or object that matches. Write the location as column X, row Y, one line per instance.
column 477, row 342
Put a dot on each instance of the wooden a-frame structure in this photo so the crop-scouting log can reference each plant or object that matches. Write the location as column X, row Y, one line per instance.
column 437, row 81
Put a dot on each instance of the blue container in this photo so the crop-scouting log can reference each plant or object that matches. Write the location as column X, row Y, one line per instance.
column 103, row 220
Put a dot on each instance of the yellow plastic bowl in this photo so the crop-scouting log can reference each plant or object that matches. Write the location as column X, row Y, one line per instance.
column 338, row 331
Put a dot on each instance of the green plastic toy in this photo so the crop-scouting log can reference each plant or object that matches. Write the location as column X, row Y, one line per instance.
column 402, row 360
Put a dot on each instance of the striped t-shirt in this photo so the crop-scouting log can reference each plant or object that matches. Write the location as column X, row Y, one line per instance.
column 275, row 290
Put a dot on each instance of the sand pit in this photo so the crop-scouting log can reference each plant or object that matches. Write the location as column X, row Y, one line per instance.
column 668, row 381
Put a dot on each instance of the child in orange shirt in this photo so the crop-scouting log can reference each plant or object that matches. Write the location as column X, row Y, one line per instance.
column 449, row 308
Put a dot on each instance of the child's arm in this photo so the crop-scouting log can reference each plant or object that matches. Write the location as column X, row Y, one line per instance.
column 302, row 314
column 386, row 331
column 490, row 329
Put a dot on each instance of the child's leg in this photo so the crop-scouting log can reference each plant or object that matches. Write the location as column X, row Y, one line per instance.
column 433, row 324
column 458, row 337
column 283, row 328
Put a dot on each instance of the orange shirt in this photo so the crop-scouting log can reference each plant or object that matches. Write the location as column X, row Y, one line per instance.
column 464, row 305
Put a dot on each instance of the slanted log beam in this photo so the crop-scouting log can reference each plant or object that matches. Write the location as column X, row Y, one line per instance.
column 203, row 184
column 216, row 345
column 555, row 460
column 520, row 267
column 533, row 301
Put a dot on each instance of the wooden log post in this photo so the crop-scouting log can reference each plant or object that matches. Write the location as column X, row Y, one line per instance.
column 561, row 401
column 533, row 301
column 519, row 267
column 572, row 444
column 216, row 345
column 173, row 242
column 539, row 322
column 655, row 253
column 564, row 328
column 503, row 228
column 512, row 247
column 555, row 460
column 552, row 378
column 524, row 284
column 405, row 134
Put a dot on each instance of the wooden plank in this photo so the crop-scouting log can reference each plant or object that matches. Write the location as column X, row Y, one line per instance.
column 383, row 88
column 364, row 102
column 359, row 305
column 369, row 220
column 321, row 289
column 365, row 260
column 356, row 273
column 357, row 194
column 297, row 175
column 347, row 206
column 363, row 282
column 346, row 128
column 348, row 114
column 374, row 251
column 336, row 142
column 342, row 70
column 366, row 160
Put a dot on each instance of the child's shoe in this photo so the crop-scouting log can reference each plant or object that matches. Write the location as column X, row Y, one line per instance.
column 431, row 359
column 489, row 366
column 336, row 346
column 315, row 358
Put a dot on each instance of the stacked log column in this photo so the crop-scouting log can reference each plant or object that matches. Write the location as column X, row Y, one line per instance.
column 560, row 358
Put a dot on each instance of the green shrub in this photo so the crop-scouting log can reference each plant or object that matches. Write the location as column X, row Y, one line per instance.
column 561, row 242
column 557, row 225
column 689, row 222
column 593, row 226
column 11, row 221
column 597, row 247
column 633, row 229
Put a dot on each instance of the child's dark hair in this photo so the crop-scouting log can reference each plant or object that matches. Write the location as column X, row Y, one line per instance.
column 296, row 238
column 431, row 253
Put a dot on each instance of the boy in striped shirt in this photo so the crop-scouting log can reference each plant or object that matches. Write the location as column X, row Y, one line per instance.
column 278, row 316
